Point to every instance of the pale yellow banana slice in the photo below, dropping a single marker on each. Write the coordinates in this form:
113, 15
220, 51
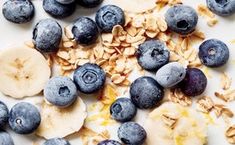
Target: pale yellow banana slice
172, 124
61, 122
23, 72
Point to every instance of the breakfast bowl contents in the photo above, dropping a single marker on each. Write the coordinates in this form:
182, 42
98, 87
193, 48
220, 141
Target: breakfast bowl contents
18, 12
85, 31
4, 114
24, 118
47, 35
5, 138
58, 9
25, 70
117, 72
108, 16
173, 124
181, 19
56, 141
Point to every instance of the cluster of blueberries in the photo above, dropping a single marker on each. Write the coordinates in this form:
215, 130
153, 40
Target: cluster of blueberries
153, 55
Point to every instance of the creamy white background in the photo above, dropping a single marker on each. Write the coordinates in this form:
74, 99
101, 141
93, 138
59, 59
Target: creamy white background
13, 35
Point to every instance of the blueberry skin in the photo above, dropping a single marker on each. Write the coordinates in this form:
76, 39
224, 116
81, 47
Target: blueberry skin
89, 78
65, 1
5, 138
60, 91
47, 35
56, 141
89, 3
146, 93
123, 110
24, 118
58, 10
109, 142
181, 19
170, 74
85, 31
213, 53
18, 11
4, 114
131, 133
194, 83
108, 16
152, 55
221, 7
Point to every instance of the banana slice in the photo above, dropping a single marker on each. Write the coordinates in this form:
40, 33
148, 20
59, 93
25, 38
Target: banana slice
23, 72
172, 124
61, 122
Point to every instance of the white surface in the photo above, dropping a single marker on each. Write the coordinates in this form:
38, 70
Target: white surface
13, 34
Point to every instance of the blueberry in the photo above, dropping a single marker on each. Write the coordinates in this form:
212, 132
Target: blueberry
108, 16
170, 74
181, 19
131, 133
5, 138
58, 10
146, 93
65, 1
24, 118
109, 142
56, 141
89, 78
18, 11
60, 91
194, 83
213, 53
4, 113
152, 55
89, 3
85, 30
221, 7
47, 35
123, 110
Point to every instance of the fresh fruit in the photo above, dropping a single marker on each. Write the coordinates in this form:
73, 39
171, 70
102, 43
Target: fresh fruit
89, 78
5, 138
65, 121
24, 118
170, 74
173, 124
152, 55
18, 11
4, 114
56, 141
146, 93
47, 35
109, 142
60, 91
213, 53
181, 19
108, 16
194, 83
65, 1
221, 7
85, 30
25, 70
89, 3
131, 133
123, 110
58, 10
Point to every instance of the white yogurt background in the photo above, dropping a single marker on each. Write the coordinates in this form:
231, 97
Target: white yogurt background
12, 35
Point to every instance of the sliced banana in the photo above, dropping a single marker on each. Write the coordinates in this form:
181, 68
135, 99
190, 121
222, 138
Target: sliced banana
61, 122
23, 72
183, 127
